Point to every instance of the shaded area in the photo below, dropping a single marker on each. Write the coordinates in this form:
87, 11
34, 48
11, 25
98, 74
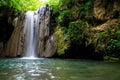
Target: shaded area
5, 27
81, 52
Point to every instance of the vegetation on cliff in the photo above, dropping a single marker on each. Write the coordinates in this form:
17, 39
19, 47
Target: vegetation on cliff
92, 28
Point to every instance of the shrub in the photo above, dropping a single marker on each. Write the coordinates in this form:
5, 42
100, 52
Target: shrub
76, 31
84, 9
113, 48
62, 42
64, 18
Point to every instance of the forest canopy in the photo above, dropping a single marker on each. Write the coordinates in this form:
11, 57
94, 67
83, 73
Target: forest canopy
22, 5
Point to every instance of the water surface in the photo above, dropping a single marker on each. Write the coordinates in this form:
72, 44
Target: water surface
57, 69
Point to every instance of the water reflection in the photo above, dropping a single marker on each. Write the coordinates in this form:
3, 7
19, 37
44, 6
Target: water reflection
55, 69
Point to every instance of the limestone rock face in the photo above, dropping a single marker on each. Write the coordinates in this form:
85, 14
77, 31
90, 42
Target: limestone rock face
106, 9
15, 44
46, 41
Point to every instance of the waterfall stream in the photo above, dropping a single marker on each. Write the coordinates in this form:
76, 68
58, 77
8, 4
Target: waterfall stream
29, 35
32, 36
37, 32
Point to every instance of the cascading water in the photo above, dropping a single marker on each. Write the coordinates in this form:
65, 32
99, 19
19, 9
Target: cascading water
36, 31
29, 35
32, 36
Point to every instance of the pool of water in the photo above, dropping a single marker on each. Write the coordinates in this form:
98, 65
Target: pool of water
58, 69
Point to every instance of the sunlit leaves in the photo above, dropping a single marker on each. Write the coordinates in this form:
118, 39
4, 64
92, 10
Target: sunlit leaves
62, 42
53, 2
23, 5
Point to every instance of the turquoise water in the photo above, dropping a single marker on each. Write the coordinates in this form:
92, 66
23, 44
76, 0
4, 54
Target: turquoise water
58, 69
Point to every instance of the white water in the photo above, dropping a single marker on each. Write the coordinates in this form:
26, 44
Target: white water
37, 41
29, 35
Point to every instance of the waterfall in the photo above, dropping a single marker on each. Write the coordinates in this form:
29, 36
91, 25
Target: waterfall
36, 25
32, 36
29, 34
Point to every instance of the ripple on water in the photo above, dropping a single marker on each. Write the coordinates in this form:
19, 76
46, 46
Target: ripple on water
52, 69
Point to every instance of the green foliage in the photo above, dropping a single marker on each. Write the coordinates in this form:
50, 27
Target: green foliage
64, 17
113, 45
76, 31
3, 2
102, 37
100, 40
23, 5
53, 2
113, 48
84, 9
117, 34
62, 42
67, 3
